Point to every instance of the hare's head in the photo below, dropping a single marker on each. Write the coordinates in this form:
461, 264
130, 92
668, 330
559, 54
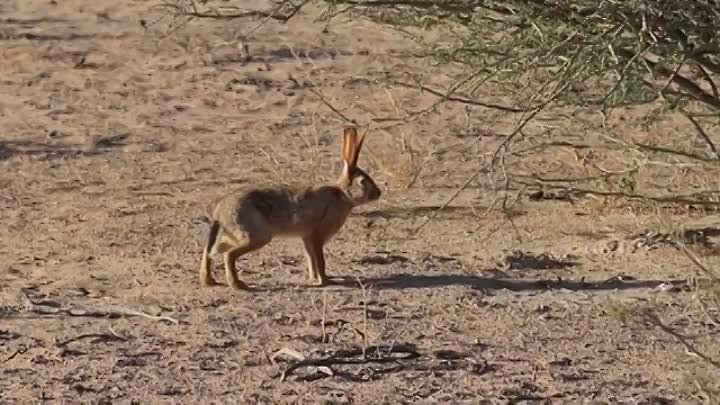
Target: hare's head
357, 184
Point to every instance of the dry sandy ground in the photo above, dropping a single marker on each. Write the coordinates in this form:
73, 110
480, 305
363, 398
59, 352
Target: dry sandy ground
115, 140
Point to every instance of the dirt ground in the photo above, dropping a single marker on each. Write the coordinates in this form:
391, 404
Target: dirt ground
116, 139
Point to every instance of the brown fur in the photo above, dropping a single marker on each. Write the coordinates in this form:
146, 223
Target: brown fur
246, 221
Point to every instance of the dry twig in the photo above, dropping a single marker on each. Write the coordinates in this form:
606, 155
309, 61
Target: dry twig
16, 353
98, 337
332, 107
232, 13
363, 355
654, 320
116, 312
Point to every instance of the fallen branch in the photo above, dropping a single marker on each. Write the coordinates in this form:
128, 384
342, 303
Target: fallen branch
693, 199
117, 312
362, 355
99, 337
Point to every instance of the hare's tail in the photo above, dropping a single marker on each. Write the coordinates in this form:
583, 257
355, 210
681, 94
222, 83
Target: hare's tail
212, 237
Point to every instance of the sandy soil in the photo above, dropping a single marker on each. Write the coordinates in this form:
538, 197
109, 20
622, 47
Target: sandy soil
116, 139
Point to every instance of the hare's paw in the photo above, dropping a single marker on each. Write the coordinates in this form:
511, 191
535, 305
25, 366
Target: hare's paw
324, 281
206, 279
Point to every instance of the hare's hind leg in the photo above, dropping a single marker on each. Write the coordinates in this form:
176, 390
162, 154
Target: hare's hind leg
231, 257
205, 264
242, 235
230, 272
205, 277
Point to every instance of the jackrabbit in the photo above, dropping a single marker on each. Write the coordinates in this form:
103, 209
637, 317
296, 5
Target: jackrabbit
246, 221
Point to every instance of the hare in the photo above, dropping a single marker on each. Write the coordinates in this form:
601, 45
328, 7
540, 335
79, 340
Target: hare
246, 221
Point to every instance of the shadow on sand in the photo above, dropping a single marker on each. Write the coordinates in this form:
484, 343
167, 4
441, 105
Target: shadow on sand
406, 281
409, 281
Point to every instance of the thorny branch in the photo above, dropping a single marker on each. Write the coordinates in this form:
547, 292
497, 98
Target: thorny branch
703, 133
332, 107
463, 100
495, 156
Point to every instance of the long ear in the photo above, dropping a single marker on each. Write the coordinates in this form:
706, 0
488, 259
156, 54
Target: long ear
351, 146
358, 145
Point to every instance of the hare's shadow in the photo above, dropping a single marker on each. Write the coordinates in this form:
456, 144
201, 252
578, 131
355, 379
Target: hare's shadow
405, 281
516, 261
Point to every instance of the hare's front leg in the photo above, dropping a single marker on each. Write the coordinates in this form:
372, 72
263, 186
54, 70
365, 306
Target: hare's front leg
315, 259
232, 253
